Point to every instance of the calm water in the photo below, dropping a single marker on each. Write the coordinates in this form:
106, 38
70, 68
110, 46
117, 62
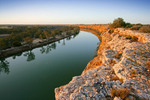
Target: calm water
33, 75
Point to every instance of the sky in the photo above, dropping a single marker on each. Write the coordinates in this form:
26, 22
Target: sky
73, 11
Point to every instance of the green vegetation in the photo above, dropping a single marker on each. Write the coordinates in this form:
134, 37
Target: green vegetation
128, 37
136, 27
118, 23
145, 29
16, 44
27, 33
141, 28
132, 38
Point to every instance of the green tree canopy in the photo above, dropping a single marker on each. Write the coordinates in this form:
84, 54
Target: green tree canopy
119, 22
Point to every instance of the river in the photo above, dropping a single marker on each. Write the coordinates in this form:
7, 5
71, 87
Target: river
34, 74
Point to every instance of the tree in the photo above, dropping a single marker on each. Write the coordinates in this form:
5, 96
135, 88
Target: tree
119, 22
28, 40
4, 43
16, 43
128, 25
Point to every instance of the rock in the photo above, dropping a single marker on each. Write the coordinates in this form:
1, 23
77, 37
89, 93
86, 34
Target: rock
119, 64
117, 98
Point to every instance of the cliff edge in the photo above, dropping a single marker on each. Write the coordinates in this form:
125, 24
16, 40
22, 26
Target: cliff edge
120, 71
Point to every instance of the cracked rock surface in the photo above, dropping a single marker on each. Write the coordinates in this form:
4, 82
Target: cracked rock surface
120, 65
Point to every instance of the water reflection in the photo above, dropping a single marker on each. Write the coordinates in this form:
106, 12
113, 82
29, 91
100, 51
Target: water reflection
14, 56
75, 35
58, 41
4, 66
63, 42
53, 45
48, 48
30, 55
69, 38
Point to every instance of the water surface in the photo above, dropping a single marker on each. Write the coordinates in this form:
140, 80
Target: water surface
33, 75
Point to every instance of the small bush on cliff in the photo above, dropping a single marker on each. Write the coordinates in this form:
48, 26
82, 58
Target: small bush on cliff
119, 22
122, 93
145, 29
148, 64
136, 27
128, 25
128, 37
133, 39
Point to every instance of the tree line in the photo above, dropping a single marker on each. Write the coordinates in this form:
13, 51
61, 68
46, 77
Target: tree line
26, 33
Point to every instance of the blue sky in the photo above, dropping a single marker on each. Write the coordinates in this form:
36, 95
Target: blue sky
73, 11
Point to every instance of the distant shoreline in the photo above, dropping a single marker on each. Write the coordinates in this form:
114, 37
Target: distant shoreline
11, 51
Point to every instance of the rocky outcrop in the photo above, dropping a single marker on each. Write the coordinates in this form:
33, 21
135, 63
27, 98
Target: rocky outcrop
121, 70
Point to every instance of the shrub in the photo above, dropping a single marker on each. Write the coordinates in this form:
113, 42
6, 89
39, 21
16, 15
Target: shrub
133, 73
128, 25
119, 22
136, 27
128, 37
145, 29
28, 40
111, 31
122, 93
148, 64
16, 43
134, 39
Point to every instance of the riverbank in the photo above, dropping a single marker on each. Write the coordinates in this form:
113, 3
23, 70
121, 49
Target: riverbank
15, 50
119, 71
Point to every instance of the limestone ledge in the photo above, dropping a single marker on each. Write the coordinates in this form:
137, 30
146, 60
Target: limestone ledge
119, 64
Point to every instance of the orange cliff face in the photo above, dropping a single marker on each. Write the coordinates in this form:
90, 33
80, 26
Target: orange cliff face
95, 29
121, 66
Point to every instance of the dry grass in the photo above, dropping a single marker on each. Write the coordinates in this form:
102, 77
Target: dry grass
148, 64
97, 63
132, 38
118, 55
122, 93
133, 73
148, 69
145, 29
117, 78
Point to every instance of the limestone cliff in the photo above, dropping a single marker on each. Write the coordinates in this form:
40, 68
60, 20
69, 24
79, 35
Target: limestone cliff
119, 71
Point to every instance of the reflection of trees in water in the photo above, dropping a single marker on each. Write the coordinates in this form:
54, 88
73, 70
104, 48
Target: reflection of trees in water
75, 35
48, 48
42, 50
68, 38
30, 55
58, 41
63, 42
4, 66
14, 56
53, 45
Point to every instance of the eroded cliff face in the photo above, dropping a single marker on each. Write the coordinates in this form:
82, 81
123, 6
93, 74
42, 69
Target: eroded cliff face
121, 70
